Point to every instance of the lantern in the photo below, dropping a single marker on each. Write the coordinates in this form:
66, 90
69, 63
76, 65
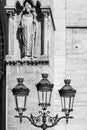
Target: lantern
67, 94
20, 92
44, 90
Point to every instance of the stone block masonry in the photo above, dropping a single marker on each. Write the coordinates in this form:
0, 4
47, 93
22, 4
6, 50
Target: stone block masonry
31, 75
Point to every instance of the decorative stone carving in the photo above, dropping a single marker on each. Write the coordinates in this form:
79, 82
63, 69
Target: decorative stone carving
27, 62
26, 32
29, 34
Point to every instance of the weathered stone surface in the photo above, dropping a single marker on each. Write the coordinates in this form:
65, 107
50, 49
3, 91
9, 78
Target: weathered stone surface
76, 13
69, 61
76, 60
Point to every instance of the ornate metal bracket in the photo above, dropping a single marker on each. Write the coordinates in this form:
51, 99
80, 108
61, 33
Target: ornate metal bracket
44, 121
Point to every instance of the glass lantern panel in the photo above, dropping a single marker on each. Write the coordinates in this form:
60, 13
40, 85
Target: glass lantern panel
49, 97
39, 97
21, 101
16, 101
25, 101
71, 103
44, 97
62, 102
66, 103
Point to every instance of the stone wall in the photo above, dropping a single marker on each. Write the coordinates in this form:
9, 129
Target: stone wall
76, 59
76, 70
69, 61
59, 58
76, 13
28, 68
71, 57
31, 75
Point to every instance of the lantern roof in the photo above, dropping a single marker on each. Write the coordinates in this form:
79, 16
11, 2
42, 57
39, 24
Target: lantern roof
67, 90
44, 84
20, 89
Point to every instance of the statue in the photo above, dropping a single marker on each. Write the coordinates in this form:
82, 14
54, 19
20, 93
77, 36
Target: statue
26, 33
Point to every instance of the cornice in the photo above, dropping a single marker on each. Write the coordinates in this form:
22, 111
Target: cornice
27, 62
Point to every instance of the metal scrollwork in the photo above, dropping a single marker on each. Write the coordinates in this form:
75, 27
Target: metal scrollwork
35, 119
44, 121
52, 120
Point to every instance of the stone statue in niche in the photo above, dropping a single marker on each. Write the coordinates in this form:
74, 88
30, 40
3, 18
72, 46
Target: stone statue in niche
26, 32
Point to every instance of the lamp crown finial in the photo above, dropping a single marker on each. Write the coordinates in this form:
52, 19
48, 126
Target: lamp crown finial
44, 75
20, 80
67, 81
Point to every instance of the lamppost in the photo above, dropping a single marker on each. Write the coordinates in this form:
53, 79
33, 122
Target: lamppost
44, 90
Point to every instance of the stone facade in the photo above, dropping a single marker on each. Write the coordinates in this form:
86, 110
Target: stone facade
28, 68
76, 59
67, 59
72, 16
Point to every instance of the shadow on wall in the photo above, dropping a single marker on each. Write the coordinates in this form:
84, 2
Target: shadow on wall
3, 52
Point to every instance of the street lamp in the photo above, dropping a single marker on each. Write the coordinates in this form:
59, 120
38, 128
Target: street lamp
44, 90
20, 92
67, 94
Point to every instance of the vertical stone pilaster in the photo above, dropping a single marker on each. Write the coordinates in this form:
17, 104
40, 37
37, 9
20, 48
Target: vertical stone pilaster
48, 34
45, 33
10, 11
10, 29
47, 22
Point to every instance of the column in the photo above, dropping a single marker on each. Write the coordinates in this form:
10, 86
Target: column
10, 12
10, 32
45, 32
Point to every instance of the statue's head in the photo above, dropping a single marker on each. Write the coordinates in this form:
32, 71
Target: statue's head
28, 5
30, 2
